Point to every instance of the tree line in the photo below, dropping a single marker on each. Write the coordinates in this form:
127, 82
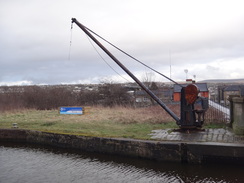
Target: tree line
51, 97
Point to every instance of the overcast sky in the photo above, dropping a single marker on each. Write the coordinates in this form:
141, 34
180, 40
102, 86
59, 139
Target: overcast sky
206, 37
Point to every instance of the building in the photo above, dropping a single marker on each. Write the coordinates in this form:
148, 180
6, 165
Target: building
143, 99
202, 87
232, 90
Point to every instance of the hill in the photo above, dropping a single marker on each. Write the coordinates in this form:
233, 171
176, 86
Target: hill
222, 81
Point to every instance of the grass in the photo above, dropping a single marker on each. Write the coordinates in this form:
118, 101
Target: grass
97, 121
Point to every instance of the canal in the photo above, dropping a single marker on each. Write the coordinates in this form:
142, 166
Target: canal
37, 164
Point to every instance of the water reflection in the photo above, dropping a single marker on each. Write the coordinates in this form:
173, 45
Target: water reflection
34, 164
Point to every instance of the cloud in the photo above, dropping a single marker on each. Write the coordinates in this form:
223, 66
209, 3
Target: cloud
212, 68
205, 37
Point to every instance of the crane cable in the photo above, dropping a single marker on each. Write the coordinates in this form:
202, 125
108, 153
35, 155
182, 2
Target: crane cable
128, 56
106, 61
132, 57
70, 42
96, 51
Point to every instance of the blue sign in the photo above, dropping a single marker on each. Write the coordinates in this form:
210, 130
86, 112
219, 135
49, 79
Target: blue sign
71, 110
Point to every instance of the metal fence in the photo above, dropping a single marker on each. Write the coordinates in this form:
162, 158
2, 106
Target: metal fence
217, 113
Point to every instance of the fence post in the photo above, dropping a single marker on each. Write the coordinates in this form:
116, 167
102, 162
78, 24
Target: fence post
238, 115
231, 109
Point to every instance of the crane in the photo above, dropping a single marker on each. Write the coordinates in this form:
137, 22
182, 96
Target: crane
189, 94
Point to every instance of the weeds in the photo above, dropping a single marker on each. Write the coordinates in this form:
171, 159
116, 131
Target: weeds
126, 122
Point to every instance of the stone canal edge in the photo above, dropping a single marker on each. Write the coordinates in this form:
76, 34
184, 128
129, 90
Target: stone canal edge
186, 152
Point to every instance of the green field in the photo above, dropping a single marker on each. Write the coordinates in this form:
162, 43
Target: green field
97, 121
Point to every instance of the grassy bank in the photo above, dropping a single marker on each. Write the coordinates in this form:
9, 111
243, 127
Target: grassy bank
98, 121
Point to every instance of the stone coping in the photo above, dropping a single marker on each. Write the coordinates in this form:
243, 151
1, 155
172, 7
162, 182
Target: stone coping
172, 151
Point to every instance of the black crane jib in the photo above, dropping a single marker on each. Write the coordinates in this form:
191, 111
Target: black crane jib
149, 92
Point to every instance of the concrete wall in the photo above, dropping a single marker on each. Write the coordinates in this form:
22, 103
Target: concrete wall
237, 115
155, 150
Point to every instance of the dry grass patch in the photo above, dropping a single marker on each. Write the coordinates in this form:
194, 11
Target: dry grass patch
127, 115
98, 121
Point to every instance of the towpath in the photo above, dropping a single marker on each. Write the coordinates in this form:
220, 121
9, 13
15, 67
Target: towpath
207, 135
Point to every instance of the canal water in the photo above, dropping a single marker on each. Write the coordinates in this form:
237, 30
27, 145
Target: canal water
37, 164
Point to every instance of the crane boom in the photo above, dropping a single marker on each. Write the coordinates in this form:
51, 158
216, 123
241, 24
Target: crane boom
149, 92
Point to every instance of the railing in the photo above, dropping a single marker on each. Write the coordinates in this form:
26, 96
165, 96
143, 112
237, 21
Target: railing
217, 113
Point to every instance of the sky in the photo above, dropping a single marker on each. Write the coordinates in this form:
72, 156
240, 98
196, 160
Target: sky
201, 39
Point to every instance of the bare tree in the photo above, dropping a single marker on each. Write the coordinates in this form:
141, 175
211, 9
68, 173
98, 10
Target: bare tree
148, 78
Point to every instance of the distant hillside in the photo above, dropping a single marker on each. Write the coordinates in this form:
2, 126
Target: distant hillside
222, 81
